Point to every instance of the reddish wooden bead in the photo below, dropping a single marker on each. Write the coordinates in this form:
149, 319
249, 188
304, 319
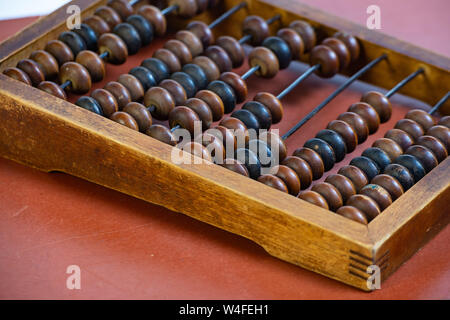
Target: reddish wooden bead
47, 62
272, 103
330, 193
60, 51
390, 184
238, 128
275, 143
97, 24
445, 121
176, 90
208, 66
380, 103
203, 111
302, 168
289, 177
110, 16
161, 100
365, 204
410, 127
441, 133
202, 31
340, 49
326, 58
233, 48
122, 7
17, 74
306, 32
184, 117
403, 139
343, 184
237, 83
358, 124
133, 85
351, 43
92, 62
346, 132
274, 182
32, 69
214, 102
313, 198
140, 114
422, 117
191, 41
392, 148
368, 113
214, 146
293, 40
356, 175
196, 149
235, 166
169, 58
186, 8
124, 119
119, 92
313, 159
115, 47
380, 195
161, 133
227, 137
220, 58
352, 213
80, 80
257, 27
180, 50
106, 100
266, 60
153, 15
53, 89
435, 145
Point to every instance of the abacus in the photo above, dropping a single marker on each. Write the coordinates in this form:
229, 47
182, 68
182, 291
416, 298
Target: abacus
61, 111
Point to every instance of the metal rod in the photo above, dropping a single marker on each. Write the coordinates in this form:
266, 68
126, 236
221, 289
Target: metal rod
248, 37
297, 81
168, 10
341, 88
440, 103
175, 128
250, 72
65, 84
227, 14
403, 83
273, 19
104, 54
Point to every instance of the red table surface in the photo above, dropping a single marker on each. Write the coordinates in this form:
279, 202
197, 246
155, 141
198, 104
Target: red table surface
129, 249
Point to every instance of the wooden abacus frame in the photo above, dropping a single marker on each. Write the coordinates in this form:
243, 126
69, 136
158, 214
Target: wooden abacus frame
50, 134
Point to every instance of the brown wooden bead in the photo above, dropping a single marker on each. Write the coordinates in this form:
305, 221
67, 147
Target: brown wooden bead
227, 137
180, 50
257, 27
313, 159
119, 92
368, 113
434, 145
235, 166
202, 5
53, 89
380, 195
390, 184
441, 133
97, 24
351, 43
275, 143
422, 117
343, 184
214, 102
302, 168
196, 149
272, 103
191, 41
169, 58
208, 66
202, 31
115, 47
358, 124
161, 100
60, 51
203, 111
340, 49
289, 177
346, 132
140, 114
161, 133
125, 119
214, 146
220, 58
233, 48
293, 40
237, 83
186, 8
80, 80
133, 85
106, 100
47, 62
330, 193
184, 117
392, 148
32, 69
380, 103
306, 32
176, 90
110, 16
314, 198
274, 182
365, 204
17, 74
238, 127
356, 176
326, 58
445, 121
122, 7
266, 60
153, 15
410, 127
403, 139
352, 213
425, 157
92, 62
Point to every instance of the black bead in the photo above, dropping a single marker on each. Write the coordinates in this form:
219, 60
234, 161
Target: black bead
324, 150
250, 160
225, 92
143, 27
88, 35
281, 50
413, 165
196, 73
400, 173
90, 104
262, 151
248, 118
367, 165
378, 156
186, 82
159, 69
74, 41
261, 112
335, 141
145, 77
129, 35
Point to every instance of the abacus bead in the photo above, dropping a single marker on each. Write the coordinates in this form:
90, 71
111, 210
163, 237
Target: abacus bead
343, 184
77, 75
202, 5
202, 31
433, 144
90, 104
235, 166
129, 35
124, 119
352, 213
306, 32
226, 94
445, 121
389, 146
301, 168
378, 194
281, 50
161, 133
158, 68
220, 58
237, 83
410, 127
110, 16
115, 47
403, 139
17, 74
390, 184
274, 182
197, 74
214, 145
133, 85
228, 139
53, 89
176, 91
170, 59
97, 24
145, 77
293, 40
346, 132
401, 174
380, 103
191, 41
367, 165
356, 176
340, 49
60, 51
47, 62
119, 92
289, 177
324, 150
249, 159
73, 41
180, 50
88, 35
233, 48
351, 43
313, 198
365, 204
162, 100
32, 69
262, 150
214, 102
313, 159
197, 150
275, 143
93, 63
422, 117
413, 165
238, 127
143, 27
335, 141
257, 27
186, 82
208, 66
122, 7
203, 111
140, 114
186, 8
326, 58
378, 156
330, 193
441, 133
106, 100
266, 60
357, 123
248, 118
368, 113
425, 157
272, 103
153, 15
184, 117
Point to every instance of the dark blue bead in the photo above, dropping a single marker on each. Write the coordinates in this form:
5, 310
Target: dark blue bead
196, 73
281, 50
90, 104
145, 77
186, 82
129, 35
261, 113
159, 69
250, 160
413, 165
262, 151
378, 156
367, 165
73, 41
88, 35
335, 141
400, 173
143, 27
324, 150
248, 118
225, 92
